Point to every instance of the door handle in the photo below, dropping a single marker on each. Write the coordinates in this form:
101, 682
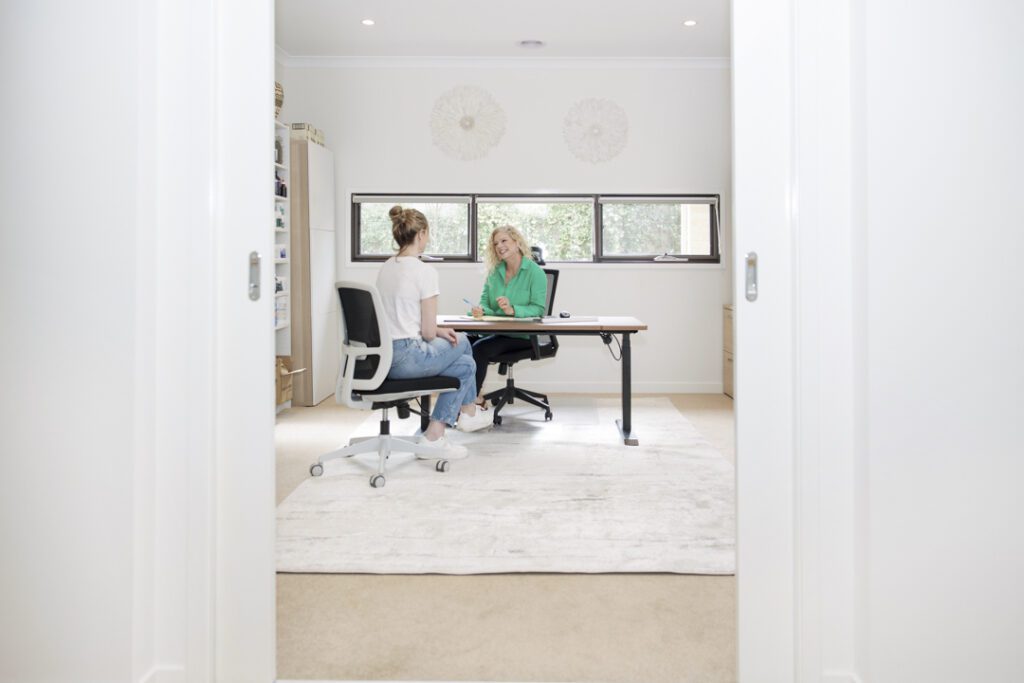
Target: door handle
254, 275
751, 288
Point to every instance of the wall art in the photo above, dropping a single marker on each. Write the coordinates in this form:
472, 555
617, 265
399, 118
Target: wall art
467, 122
595, 130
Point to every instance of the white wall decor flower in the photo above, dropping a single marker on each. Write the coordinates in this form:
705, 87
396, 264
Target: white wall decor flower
595, 130
467, 122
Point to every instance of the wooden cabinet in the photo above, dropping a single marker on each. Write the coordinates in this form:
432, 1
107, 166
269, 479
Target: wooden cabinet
727, 345
314, 305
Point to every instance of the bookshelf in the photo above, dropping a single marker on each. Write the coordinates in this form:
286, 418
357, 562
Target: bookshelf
282, 246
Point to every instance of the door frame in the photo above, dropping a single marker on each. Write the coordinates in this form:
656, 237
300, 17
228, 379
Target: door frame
793, 86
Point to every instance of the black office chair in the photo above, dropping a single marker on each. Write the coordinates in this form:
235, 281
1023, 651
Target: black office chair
542, 346
363, 384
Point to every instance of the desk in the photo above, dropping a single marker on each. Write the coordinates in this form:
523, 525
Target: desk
602, 326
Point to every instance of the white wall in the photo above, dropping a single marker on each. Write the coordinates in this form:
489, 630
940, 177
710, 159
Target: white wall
375, 116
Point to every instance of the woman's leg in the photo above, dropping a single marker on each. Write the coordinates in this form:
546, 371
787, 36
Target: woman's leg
488, 348
462, 367
419, 358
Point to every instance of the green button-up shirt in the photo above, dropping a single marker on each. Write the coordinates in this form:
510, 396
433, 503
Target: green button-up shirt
527, 291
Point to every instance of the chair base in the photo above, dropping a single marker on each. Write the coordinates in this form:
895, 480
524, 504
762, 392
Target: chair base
499, 398
383, 444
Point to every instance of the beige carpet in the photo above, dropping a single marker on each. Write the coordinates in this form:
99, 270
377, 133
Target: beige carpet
516, 627
535, 496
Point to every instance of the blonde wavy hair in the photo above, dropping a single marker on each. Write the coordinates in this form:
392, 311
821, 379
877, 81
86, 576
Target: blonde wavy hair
491, 258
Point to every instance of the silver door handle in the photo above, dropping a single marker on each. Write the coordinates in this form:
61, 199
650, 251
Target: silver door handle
751, 288
254, 275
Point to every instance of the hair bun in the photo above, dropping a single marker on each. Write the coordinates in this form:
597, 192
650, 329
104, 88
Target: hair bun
395, 212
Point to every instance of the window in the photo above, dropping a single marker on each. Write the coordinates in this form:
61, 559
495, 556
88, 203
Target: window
664, 228
562, 227
568, 228
447, 215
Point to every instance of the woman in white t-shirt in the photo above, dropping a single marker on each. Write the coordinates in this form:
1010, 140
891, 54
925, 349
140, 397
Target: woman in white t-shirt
408, 290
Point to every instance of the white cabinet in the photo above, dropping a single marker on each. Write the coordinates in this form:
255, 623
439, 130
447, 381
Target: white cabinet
314, 307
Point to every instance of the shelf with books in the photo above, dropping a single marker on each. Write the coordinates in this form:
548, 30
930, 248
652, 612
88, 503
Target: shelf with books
282, 244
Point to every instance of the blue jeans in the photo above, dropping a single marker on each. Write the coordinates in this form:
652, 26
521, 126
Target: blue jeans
414, 358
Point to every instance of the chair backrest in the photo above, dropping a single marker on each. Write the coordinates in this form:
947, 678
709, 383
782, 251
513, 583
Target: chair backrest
552, 276
365, 342
548, 340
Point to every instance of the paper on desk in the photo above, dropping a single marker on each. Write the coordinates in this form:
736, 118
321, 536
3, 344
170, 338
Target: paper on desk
491, 319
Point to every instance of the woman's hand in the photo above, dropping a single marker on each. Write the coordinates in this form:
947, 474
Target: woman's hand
449, 334
477, 312
506, 306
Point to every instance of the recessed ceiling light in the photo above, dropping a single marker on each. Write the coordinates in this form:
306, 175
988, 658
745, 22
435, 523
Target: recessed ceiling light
531, 43
368, 22
690, 22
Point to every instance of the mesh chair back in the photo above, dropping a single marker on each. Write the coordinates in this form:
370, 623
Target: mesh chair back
361, 327
552, 276
547, 339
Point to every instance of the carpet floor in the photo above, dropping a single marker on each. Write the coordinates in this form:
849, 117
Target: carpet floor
499, 627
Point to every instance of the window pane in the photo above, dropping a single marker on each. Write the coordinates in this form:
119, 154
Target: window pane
563, 230
449, 226
637, 229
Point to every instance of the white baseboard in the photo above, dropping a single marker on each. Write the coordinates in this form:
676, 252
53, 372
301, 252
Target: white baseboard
610, 387
164, 674
840, 677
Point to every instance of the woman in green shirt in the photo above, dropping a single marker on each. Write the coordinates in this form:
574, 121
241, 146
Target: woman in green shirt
516, 287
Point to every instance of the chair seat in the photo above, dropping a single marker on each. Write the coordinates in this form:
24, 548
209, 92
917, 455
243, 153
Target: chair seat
546, 351
423, 384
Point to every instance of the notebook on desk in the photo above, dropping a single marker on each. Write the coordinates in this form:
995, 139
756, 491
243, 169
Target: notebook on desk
571, 319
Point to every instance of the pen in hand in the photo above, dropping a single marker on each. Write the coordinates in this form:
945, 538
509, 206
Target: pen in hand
471, 306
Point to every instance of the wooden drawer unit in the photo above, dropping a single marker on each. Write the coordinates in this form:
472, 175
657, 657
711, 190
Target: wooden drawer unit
727, 350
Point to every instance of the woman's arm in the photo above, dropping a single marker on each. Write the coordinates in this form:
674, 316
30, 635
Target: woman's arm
486, 300
428, 318
428, 323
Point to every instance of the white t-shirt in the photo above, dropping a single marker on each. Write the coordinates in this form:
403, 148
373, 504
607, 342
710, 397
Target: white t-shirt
403, 282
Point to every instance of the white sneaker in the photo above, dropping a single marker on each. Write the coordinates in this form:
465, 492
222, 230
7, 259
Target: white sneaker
471, 423
446, 450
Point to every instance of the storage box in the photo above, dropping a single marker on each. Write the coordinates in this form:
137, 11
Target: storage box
307, 131
283, 375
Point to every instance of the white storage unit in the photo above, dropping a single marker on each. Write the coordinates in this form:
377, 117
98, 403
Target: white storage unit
314, 329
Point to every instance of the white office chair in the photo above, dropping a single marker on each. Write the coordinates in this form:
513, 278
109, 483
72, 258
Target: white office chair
363, 384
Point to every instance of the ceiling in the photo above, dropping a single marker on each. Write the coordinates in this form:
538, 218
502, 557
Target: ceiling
493, 28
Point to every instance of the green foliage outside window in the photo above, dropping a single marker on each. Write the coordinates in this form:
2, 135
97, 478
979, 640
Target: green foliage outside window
634, 229
563, 230
563, 227
449, 224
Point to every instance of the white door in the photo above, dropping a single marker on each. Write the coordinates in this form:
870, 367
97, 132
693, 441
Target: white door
764, 192
244, 343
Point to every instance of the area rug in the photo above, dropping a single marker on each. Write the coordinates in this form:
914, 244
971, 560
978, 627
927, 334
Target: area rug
534, 496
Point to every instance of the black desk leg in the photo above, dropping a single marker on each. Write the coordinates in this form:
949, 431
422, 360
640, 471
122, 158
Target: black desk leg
626, 423
425, 409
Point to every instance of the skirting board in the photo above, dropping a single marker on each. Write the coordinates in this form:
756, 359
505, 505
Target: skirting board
164, 674
610, 387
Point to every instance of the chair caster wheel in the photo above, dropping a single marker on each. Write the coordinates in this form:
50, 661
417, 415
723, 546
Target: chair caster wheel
441, 466
377, 481
547, 416
497, 420
316, 470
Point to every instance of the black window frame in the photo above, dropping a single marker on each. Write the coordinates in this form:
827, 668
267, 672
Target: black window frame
472, 254
714, 201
